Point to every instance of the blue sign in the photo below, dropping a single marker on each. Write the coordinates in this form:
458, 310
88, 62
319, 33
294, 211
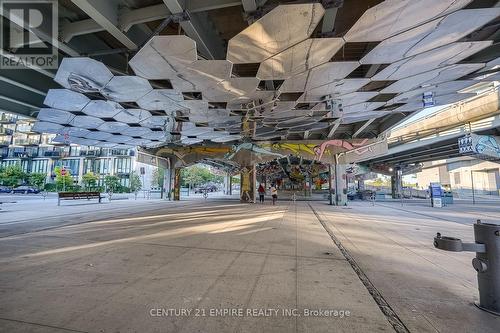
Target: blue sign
428, 99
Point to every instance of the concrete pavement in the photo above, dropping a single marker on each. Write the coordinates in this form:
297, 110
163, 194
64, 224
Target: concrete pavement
219, 266
430, 290
128, 274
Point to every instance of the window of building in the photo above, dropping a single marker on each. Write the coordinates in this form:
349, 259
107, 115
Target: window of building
74, 151
73, 165
122, 165
40, 166
456, 176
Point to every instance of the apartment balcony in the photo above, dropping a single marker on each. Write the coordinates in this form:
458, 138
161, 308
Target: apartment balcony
6, 131
34, 142
90, 153
23, 154
55, 154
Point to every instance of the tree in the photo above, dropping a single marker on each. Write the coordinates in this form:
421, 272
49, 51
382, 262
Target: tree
89, 180
135, 183
37, 179
158, 177
197, 175
112, 184
63, 181
12, 175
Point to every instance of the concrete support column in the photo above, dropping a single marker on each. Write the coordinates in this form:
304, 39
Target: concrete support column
227, 184
247, 184
340, 184
81, 161
177, 184
361, 183
397, 183
331, 182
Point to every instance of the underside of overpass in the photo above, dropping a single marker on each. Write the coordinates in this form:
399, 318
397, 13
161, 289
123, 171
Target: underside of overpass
290, 96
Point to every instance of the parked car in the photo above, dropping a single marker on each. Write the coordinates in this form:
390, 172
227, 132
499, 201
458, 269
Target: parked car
211, 188
25, 189
201, 189
5, 189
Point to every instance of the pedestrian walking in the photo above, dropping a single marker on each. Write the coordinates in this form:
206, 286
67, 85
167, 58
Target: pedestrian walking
274, 194
262, 193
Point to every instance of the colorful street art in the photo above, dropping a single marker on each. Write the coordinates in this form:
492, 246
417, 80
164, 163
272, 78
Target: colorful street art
321, 151
255, 148
247, 184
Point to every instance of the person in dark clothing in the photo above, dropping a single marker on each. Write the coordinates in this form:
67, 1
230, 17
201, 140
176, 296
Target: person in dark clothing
262, 192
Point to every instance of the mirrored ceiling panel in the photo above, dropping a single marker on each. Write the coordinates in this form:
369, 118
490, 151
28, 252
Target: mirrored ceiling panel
212, 135
126, 88
333, 89
231, 89
87, 122
435, 76
363, 116
65, 99
138, 142
46, 127
299, 58
83, 74
362, 107
55, 116
190, 141
102, 109
168, 100
440, 89
157, 135
438, 100
437, 58
163, 56
75, 131
132, 116
77, 140
431, 35
136, 131
281, 28
116, 138
312, 127
202, 74
279, 78
492, 65
226, 122
158, 122
355, 97
105, 144
319, 76
98, 135
395, 16
227, 138
113, 127
298, 121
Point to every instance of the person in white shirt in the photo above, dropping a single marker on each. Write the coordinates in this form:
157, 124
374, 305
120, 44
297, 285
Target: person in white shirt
274, 193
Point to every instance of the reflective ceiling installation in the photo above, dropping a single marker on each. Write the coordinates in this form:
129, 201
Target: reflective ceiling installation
280, 78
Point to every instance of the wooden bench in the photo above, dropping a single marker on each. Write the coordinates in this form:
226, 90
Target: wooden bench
78, 196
